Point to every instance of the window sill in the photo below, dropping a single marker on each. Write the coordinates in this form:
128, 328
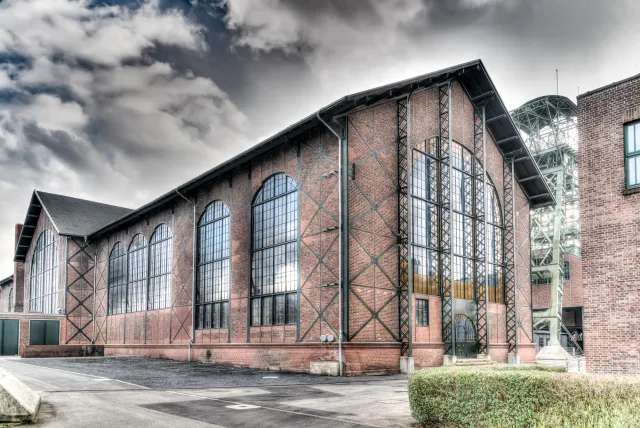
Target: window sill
631, 191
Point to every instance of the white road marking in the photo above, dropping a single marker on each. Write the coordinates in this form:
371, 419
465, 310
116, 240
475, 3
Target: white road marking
242, 407
273, 408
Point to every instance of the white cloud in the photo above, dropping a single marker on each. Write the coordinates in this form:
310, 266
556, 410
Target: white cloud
90, 113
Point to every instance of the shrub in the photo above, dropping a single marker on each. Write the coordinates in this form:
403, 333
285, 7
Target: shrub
522, 397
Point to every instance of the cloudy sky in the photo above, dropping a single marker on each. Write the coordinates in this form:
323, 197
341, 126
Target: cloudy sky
120, 101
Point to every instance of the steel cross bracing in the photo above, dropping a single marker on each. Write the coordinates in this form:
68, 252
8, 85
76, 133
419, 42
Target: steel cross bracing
549, 128
403, 228
445, 216
480, 228
510, 286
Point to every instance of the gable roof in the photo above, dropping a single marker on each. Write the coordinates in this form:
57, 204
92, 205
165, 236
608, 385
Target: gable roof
70, 217
7, 281
475, 81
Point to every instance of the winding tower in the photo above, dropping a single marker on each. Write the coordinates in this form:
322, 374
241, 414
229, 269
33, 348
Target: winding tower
548, 126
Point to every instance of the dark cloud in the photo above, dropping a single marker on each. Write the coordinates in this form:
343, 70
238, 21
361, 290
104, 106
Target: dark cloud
179, 85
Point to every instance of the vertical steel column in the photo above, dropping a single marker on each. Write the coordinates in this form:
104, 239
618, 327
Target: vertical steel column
404, 273
480, 186
445, 217
510, 253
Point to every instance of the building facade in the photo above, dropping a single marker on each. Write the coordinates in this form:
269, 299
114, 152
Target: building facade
609, 200
393, 223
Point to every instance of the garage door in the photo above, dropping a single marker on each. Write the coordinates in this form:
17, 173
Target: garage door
8, 337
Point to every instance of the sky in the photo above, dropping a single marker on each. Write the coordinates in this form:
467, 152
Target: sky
121, 101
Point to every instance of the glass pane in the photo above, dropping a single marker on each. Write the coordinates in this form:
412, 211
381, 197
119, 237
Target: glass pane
631, 146
631, 171
292, 308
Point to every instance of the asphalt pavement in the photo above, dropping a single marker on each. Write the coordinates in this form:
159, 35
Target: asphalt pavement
144, 392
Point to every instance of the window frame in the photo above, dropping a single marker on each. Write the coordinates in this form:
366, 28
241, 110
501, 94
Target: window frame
162, 243
566, 271
422, 321
39, 259
221, 306
123, 259
141, 306
260, 200
630, 155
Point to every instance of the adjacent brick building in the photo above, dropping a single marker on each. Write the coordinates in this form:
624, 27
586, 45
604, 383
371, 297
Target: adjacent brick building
264, 260
609, 206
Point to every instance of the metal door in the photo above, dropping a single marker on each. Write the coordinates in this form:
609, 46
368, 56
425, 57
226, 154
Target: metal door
9, 337
466, 346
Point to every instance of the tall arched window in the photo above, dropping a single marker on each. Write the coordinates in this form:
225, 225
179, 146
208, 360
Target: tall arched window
43, 282
160, 260
494, 250
212, 292
424, 199
274, 265
117, 282
137, 274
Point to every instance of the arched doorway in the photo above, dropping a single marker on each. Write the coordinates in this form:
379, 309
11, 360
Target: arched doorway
466, 346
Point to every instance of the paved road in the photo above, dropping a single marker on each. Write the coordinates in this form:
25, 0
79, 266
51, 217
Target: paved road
141, 392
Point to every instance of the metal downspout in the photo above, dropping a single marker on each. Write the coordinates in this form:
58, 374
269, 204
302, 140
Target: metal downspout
193, 277
339, 240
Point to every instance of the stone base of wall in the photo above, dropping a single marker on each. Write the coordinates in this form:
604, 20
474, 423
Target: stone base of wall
41, 351
500, 352
359, 358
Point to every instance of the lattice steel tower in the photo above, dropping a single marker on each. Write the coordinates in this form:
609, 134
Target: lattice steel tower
548, 127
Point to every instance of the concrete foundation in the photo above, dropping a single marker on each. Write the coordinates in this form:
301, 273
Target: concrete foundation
449, 360
554, 355
513, 359
406, 365
326, 368
18, 403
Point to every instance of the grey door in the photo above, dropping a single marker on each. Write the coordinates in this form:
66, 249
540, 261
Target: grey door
9, 337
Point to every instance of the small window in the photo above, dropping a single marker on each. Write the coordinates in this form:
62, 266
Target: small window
632, 154
567, 270
422, 312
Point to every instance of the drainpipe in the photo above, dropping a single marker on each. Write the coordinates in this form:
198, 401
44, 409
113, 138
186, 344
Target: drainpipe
193, 277
340, 238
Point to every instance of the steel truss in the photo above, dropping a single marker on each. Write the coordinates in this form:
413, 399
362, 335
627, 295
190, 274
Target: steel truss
510, 286
404, 168
479, 189
445, 216
549, 125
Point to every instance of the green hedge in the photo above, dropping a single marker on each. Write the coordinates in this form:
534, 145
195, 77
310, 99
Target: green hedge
522, 397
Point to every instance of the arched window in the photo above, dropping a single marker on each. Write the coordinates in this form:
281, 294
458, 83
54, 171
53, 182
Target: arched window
137, 274
117, 282
212, 291
274, 264
494, 250
424, 200
10, 299
43, 283
160, 261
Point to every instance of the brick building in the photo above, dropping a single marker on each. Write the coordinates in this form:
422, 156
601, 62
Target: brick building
366, 232
6, 294
608, 121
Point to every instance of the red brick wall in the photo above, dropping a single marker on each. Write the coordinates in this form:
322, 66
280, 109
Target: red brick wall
610, 231
25, 318
373, 226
